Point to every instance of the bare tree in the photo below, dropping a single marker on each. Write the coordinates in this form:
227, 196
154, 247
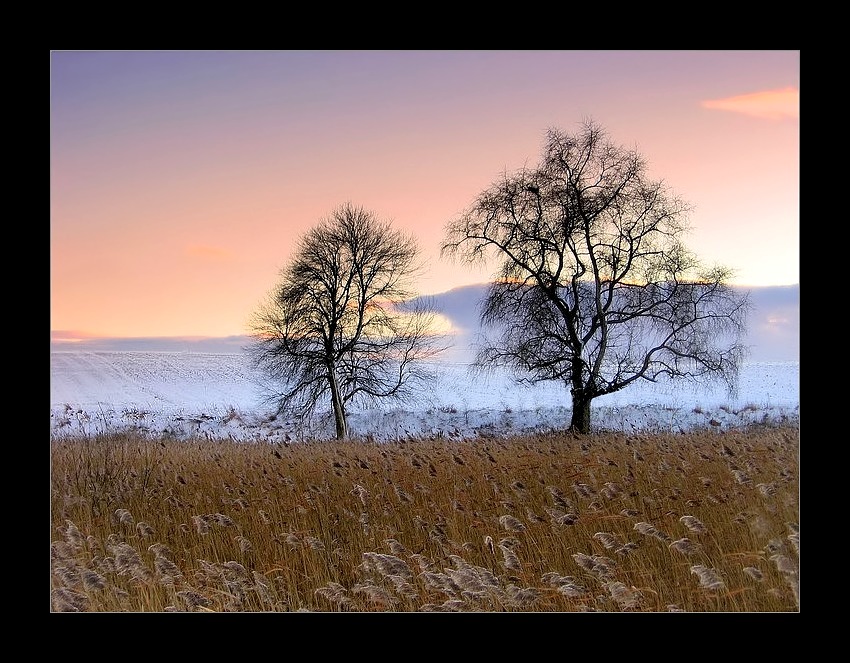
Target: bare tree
342, 323
595, 287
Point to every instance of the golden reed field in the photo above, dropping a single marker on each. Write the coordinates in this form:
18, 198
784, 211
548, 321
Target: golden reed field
705, 521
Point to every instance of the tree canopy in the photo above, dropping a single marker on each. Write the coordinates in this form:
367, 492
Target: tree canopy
340, 325
594, 285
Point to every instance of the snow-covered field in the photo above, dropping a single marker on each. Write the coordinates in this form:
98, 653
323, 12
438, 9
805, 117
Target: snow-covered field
218, 396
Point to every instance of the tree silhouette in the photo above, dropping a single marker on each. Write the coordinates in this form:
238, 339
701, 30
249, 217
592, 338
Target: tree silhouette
341, 323
595, 287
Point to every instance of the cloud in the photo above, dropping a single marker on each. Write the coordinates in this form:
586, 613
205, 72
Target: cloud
60, 340
211, 253
773, 330
69, 336
767, 104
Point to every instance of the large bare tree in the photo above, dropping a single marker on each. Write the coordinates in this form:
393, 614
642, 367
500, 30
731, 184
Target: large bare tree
595, 287
341, 323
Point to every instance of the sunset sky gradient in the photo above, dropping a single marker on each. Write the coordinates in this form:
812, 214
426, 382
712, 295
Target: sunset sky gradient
181, 180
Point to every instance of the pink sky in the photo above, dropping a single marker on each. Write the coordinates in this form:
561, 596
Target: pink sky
181, 180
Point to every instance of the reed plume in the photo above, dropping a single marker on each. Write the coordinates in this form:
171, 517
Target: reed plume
708, 578
693, 524
194, 600
509, 559
606, 539
387, 564
378, 596
144, 529
201, 524
686, 546
73, 535
626, 598
335, 593
511, 524
123, 516
65, 600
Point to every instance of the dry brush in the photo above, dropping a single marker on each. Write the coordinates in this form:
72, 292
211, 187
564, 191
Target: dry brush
704, 521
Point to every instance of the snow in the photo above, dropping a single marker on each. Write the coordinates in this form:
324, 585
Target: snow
220, 396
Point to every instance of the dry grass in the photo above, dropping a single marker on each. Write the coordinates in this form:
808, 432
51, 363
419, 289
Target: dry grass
698, 522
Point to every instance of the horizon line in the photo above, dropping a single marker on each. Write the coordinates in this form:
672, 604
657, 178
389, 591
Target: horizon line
77, 336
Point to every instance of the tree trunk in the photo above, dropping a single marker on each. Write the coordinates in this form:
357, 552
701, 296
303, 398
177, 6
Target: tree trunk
580, 422
338, 406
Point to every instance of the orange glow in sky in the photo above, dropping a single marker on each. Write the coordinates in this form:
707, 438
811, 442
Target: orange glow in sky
182, 180
770, 104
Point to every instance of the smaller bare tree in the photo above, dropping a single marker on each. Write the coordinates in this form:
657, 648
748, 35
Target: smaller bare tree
342, 324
